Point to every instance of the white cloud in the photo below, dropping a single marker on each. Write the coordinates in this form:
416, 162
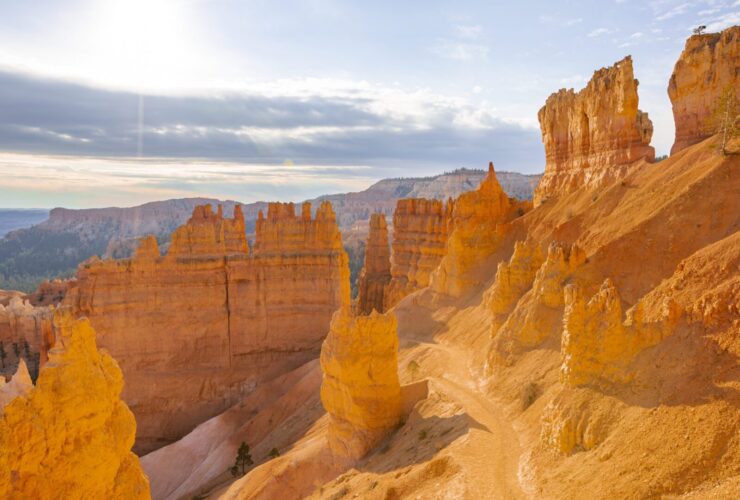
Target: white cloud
460, 51
673, 12
636, 35
477, 89
469, 31
573, 80
722, 22
599, 32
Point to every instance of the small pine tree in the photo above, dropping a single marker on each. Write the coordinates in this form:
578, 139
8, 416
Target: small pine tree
243, 460
724, 117
274, 453
3, 354
16, 350
27, 350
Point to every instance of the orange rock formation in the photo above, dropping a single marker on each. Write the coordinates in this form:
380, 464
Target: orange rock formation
360, 391
420, 231
70, 436
480, 222
707, 67
593, 136
208, 321
376, 274
21, 324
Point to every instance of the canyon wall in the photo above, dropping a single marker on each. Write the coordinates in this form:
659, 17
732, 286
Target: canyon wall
25, 333
360, 390
196, 329
376, 274
591, 137
707, 67
70, 436
480, 221
420, 231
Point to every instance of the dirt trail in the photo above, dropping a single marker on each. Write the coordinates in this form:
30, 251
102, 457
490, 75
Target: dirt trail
491, 458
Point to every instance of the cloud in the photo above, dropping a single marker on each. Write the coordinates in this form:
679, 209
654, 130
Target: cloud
724, 21
317, 122
559, 21
469, 31
461, 51
636, 35
573, 80
599, 32
673, 12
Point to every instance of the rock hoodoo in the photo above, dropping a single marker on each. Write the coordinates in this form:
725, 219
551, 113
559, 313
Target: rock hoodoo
591, 137
480, 221
208, 320
707, 67
376, 274
70, 436
360, 391
420, 230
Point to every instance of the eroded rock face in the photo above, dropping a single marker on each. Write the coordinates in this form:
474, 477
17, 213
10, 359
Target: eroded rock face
420, 231
376, 274
591, 137
706, 68
480, 221
208, 321
25, 332
538, 314
360, 391
598, 345
70, 436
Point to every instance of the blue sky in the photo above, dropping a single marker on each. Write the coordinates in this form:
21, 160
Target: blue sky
113, 102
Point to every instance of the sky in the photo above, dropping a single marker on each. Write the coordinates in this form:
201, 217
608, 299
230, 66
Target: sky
120, 102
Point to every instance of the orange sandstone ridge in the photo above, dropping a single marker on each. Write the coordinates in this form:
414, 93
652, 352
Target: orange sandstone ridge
480, 223
707, 68
592, 137
70, 436
420, 230
376, 274
196, 329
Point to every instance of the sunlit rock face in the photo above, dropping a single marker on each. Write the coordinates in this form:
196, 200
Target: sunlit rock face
598, 343
479, 223
420, 231
196, 329
706, 68
360, 391
536, 306
592, 136
70, 436
376, 274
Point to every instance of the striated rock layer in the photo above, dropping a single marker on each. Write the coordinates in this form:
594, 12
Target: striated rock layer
70, 436
591, 137
360, 391
420, 231
376, 274
708, 66
195, 330
480, 222
25, 332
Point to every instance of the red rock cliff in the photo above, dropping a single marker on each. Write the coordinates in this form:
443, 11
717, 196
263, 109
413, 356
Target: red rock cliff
420, 230
708, 66
196, 329
592, 136
376, 274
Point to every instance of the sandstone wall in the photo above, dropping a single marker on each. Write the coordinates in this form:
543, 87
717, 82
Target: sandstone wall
420, 231
21, 324
376, 273
591, 137
707, 67
195, 330
360, 391
479, 223
70, 436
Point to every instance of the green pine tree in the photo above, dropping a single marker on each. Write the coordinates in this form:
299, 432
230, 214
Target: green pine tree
243, 460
